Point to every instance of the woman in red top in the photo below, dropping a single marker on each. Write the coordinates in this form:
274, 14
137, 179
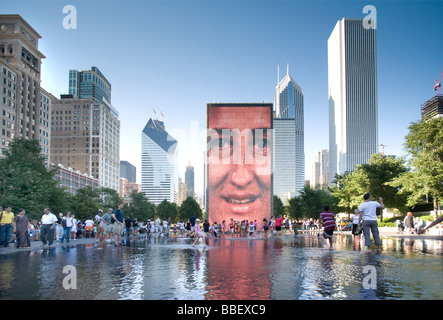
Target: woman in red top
231, 226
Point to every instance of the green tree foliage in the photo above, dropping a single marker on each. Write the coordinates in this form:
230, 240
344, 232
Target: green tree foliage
109, 198
348, 190
425, 148
279, 208
379, 172
85, 203
294, 208
309, 203
26, 182
140, 207
189, 208
374, 177
167, 210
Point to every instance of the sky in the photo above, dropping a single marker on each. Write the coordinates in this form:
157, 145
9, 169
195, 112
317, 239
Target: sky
174, 57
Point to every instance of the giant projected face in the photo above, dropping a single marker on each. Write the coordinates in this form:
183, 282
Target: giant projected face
239, 162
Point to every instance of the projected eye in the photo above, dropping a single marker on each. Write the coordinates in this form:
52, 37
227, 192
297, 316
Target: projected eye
224, 142
261, 143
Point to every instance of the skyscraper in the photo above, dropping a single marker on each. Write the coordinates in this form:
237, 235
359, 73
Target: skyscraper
86, 137
320, 169
128, 171
89, 84
189, 181
352, 77
159, 172
288, 123
20, 64
432, 108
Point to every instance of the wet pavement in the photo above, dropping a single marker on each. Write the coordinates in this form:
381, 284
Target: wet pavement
279, 268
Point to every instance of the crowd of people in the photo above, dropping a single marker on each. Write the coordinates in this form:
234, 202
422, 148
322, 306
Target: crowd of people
108, 227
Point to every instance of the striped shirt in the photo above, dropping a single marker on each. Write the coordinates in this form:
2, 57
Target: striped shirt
328, 219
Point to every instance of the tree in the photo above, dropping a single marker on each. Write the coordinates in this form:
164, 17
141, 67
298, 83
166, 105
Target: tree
109, 198
26, 182
381, 170
348, 190
279, 208
189, 208
140, 207
313, 200
424, 146
294, 208
167, 210
374, 177
85, 203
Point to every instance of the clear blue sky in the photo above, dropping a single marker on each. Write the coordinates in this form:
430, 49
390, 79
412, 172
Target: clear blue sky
176, 56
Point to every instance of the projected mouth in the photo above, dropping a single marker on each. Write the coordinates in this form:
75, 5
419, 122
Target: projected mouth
240, 200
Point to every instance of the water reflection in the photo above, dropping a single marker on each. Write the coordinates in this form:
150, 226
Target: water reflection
282, 268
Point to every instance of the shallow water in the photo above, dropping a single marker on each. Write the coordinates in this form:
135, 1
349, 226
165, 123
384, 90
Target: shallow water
288, 267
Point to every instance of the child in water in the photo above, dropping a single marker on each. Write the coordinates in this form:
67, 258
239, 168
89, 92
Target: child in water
198, 232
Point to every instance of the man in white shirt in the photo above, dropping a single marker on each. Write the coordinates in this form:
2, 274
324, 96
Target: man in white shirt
368, 213
47, 230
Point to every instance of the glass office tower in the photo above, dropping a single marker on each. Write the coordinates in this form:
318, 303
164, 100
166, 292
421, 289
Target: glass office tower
289, 154
89, 84
352, 77
159, 163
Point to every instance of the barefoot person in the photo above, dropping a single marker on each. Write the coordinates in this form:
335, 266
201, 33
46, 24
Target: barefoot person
198, 232
368, 213
327, 218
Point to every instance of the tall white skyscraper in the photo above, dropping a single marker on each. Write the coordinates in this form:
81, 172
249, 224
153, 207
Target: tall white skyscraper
159, 163
320, 169
352, 77
288, 124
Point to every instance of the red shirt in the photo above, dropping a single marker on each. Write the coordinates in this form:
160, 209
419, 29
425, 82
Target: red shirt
278, 222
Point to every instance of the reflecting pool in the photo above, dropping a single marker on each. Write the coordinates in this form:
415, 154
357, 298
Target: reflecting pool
287, 267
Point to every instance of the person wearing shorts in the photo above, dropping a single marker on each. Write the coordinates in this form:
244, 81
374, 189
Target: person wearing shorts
119, 225
328, 220
232, 226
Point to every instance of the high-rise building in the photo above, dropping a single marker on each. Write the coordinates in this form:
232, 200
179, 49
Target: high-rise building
8, 103
159, 163
352, 77
20, 63
320, 169
44, 131
89, 84
288, 123
86, 137
181, 192
189, 181
128, 171
127, 188
432, 108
